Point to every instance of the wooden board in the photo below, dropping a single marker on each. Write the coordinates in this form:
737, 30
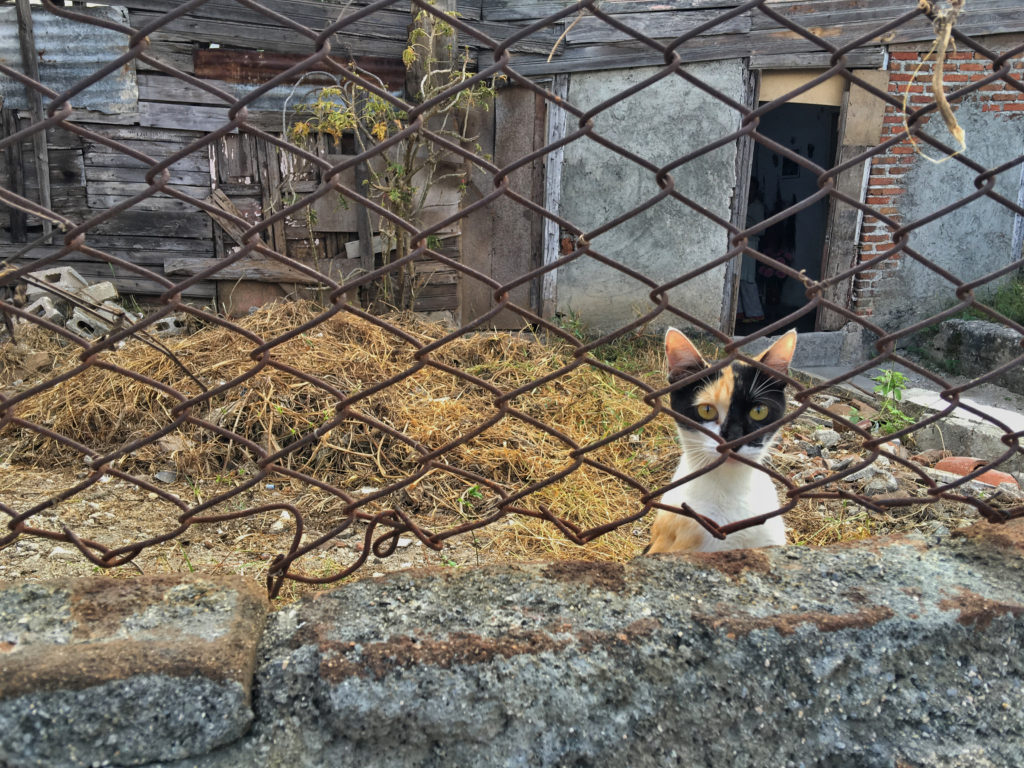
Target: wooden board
150, 255
156, 224
380, 34
664, 25
126, 282
515, 243
862, 58
105, 157
531, 10
127, 176
251, 268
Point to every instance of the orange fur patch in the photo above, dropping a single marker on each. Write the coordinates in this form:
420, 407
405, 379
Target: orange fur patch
718, 392
674, 533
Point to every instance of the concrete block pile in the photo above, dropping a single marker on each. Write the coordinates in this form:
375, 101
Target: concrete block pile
61, 296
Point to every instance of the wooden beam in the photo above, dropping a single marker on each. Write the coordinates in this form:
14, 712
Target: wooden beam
270, 181
860, 129
740, 200
255, 269
17, 172
222, 201
557, 128
654, 24
364, 227
30, 60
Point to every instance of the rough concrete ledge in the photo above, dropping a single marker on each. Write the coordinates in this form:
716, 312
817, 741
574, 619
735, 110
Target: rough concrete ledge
106, 671
901, 651
979, 346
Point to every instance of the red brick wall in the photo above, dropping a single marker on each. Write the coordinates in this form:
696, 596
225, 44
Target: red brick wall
886, 181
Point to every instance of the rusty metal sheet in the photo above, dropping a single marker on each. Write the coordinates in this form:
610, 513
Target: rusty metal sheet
254, 67
69, 52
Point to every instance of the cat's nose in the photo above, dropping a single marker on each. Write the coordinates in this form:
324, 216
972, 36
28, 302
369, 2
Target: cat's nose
732, 430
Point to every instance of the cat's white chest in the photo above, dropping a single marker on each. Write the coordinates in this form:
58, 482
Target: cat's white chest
728, 494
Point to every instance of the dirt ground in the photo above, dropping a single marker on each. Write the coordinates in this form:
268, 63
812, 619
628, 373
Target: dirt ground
116, 512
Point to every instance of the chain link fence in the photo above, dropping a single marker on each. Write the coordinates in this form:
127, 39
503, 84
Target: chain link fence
405, 151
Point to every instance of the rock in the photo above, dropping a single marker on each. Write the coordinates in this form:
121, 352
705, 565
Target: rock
62, 553
980, 346
895, 447
838, 465
36, 361
282, 522
882, 482
880, 464
1010, 491
166, 476
827, 438
809, 448
854, 412
173, 443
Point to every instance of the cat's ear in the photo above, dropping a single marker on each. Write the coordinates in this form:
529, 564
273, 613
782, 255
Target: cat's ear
682, 355
780, 354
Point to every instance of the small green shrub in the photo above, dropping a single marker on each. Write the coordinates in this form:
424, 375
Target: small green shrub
889, 387
1008, 300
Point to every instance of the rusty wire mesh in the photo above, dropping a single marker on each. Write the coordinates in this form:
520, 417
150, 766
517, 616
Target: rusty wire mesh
349, 297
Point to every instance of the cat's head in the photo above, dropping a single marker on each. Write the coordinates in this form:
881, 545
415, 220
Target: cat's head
732, 402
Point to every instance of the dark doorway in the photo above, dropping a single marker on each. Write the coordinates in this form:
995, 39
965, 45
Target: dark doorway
776, 183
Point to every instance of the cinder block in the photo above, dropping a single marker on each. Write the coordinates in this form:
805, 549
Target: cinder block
43, 308
64, 278
107, 671
169, 326
110, 311
86, 326
99, 293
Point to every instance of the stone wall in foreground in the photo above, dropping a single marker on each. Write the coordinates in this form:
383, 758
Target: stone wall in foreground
900, 651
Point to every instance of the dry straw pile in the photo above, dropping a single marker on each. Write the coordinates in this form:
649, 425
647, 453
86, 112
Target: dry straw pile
275, 407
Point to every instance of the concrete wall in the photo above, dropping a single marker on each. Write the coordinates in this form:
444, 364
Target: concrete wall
970, 242
660, 123
903, 651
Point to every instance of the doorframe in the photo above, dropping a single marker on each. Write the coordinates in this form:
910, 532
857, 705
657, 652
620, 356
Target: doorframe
859, 128
741, 190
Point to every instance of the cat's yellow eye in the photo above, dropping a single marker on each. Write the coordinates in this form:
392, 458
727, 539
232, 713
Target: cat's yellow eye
759, 412
707, 412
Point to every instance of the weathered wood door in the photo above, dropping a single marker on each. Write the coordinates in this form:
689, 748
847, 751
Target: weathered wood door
503, 240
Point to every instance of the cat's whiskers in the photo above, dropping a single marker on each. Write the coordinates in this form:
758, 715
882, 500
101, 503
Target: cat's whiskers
759, 387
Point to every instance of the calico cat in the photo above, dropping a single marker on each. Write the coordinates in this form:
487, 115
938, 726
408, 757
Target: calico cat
733, 402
